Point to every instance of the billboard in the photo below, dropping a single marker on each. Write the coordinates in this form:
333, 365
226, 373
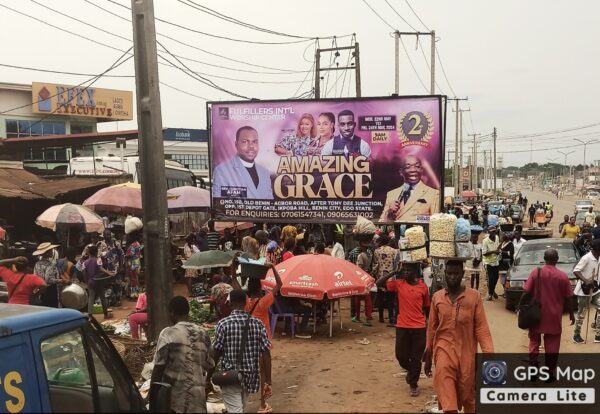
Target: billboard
84, 102
327, 160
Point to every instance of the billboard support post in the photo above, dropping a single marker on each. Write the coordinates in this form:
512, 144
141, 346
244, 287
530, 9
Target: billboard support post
357, 65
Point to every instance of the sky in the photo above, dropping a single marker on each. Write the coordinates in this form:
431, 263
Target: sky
527, 68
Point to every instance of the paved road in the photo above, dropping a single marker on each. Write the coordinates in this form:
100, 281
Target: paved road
503, 323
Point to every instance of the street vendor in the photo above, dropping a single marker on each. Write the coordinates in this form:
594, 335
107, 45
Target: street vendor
413, 300
457, 324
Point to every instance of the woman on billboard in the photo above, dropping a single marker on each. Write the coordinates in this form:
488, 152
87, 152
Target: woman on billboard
298, 144
325, 130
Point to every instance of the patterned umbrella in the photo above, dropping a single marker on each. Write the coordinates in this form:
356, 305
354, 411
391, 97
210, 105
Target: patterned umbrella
70, 214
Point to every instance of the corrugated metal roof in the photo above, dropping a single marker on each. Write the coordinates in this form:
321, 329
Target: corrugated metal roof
18, 183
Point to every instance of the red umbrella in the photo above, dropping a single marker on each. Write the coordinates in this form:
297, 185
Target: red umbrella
469, 194
2, 233
312, 276
123, 198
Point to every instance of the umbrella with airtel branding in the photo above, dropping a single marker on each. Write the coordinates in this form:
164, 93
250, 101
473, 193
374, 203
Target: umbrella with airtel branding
314, 276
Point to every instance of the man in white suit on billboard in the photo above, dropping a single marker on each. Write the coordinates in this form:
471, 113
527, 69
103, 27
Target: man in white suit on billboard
413, 198
241, 176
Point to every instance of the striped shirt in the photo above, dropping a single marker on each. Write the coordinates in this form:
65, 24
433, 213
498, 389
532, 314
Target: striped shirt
213, 240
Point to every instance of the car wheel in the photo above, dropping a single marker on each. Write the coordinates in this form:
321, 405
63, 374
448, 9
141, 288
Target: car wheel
511, 306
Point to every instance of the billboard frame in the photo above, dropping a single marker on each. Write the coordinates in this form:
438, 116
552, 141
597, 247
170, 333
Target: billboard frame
442, 112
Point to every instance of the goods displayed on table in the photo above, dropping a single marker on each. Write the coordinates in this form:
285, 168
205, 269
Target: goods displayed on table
462, 236
416, 244
441, 235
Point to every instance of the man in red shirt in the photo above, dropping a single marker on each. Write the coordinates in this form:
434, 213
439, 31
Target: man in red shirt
555, 290
21, 286
413, 309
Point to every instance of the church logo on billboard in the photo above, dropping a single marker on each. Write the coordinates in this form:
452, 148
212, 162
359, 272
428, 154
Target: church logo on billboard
224, 113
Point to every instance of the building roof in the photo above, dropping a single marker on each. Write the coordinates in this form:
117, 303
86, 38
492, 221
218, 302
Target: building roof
19, 183
68, 139
20, 318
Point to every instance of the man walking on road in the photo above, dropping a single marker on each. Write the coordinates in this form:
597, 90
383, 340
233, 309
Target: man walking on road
228, 338
490, 249
531, 212
564, 223
555, 291
587, 290
457, 324
413, 297
183, 358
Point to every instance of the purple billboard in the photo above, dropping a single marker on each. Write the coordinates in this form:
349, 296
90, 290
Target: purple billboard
327, 160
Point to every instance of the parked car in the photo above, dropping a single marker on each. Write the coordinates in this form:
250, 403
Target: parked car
593, 195
580, 217
583, 205
531, 256
518, 213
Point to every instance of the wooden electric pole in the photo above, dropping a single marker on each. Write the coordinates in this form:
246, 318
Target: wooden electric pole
456, 145
353, 66
495, 136
157, 268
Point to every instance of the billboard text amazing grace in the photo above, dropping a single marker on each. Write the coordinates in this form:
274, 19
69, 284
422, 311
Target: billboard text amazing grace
327, 160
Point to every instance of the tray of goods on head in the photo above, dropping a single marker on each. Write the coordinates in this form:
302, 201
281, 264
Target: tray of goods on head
449, 237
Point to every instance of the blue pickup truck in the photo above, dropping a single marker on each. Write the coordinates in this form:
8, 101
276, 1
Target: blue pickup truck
58, 360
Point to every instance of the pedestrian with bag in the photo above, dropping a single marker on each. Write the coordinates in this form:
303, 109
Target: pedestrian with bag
21, 286
183, 359
46, 269
550, 288
587, 290
241, 342
490, 250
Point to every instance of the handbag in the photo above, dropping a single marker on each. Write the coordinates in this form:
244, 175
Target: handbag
234, 376
530, 312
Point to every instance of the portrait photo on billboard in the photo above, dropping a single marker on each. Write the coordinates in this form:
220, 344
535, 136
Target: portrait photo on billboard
327, 160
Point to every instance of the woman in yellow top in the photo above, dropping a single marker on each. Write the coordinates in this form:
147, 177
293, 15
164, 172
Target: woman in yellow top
570, 230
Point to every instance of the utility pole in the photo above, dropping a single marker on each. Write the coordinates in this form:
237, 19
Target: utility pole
585, 144
397, 35
495, 136
354, 66
152, 168
485, 174
565, 154
456, 145
474, 161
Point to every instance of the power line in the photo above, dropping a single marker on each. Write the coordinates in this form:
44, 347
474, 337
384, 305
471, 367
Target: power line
437, 52
94, 78
214, 35
428, 64
185, 92
403, 19
62, 72
281, 71
203, 79
539, 134
378, 15
233, 20
417, 16
411, 64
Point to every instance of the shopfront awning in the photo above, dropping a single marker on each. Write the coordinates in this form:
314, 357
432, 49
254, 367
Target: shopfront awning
66, 140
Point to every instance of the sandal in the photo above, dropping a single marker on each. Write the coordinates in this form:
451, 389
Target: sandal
266, 409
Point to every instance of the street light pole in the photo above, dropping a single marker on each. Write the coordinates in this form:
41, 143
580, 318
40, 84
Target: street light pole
566, 154
585, 143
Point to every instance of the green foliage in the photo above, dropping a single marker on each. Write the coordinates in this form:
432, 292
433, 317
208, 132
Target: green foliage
200, 312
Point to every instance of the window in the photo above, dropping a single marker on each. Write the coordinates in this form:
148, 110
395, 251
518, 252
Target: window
22, 128
191, 161
67, 372
81, 129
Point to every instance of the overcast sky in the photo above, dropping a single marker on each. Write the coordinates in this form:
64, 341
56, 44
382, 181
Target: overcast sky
526, 66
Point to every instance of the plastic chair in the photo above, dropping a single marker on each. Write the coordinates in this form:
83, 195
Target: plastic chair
276, 313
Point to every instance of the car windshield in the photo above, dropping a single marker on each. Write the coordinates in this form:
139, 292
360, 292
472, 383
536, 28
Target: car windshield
533, 254
583, 203
516, 209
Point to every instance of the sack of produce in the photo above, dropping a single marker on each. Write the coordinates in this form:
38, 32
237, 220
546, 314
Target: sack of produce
364, 230
132, 224
441, 235
416, 243
404, 253
462, 237
492, 220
